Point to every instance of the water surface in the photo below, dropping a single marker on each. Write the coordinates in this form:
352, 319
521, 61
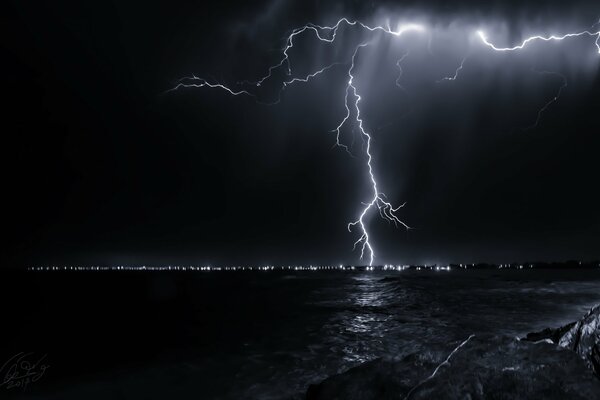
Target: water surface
267, 334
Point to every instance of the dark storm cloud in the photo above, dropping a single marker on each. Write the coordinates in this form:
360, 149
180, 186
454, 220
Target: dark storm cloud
118, 173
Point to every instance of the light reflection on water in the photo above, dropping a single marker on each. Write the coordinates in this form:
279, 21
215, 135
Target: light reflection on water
370, 291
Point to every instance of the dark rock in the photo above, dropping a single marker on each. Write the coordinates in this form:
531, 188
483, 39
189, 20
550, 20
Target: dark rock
481, 367
582, 337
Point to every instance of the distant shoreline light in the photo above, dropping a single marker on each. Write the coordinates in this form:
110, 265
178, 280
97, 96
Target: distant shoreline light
386, 267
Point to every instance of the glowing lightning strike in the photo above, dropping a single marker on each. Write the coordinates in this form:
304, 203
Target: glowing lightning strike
386, 210
530, 39
543, 38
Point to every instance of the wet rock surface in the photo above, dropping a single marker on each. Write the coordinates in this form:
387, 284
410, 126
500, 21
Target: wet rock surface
551, 364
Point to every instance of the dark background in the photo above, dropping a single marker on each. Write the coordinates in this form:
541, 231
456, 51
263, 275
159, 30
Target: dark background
102, 167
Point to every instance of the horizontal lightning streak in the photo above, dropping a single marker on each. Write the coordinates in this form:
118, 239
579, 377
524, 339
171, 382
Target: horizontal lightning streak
542, 38
545, 39
195, 82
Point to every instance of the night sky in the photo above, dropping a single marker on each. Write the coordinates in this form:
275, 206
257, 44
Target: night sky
103, 166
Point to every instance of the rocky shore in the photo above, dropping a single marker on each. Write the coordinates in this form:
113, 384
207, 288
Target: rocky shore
582, 337
556, 363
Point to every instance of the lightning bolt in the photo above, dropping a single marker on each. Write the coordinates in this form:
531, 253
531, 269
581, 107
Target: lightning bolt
352, 99
535, 38
531, 39
332, 31
195, 82
552, 100
328, 34
386, 210
310, 76
401, 71
456, 72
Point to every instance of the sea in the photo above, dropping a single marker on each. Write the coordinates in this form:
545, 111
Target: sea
260, 334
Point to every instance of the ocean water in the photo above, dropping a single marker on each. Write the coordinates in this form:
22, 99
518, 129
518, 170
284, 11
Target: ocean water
264, 334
